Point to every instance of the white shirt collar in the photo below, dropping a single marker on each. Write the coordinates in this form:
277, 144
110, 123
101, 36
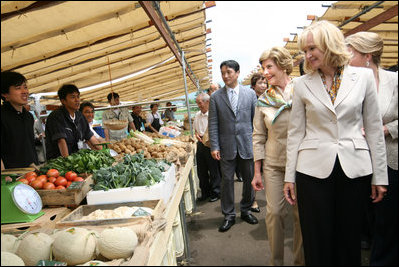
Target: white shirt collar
236, 89
72, 118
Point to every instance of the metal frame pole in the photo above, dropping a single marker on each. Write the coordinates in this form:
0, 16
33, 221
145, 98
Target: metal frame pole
184, 228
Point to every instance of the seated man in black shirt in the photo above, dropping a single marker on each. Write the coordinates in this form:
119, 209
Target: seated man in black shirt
138, 121
66, 127
17, 138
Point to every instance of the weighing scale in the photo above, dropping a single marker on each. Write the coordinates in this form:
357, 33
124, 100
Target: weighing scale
20, 203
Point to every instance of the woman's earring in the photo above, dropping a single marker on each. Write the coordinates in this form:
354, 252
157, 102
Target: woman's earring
368, 64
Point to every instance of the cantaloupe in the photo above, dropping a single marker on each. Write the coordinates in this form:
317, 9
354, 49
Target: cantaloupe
35, 247
74, 245
10, 259
118, 242
9, 243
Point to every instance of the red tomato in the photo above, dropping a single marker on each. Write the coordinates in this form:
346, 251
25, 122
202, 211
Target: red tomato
48, 186
30, 178
36, 184
78, 179
23, 180
60, 187
70, 175
52, 179
42, 178
68, 184
53, 173
29, 174
61, 181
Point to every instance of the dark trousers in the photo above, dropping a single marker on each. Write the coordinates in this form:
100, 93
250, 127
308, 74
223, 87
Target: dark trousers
384, 248
208, 171
331, 213
246, 168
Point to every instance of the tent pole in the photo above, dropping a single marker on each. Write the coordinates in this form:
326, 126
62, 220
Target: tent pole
186, 92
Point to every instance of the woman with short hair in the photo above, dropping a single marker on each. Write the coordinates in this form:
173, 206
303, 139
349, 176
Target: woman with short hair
366, 49
269, 145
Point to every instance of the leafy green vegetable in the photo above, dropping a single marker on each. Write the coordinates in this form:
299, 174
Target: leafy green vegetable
134, 170
85, 160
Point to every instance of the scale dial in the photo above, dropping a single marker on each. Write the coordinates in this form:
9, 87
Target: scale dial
27, 199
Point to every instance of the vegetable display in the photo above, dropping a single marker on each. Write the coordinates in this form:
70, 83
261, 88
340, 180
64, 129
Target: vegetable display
135, 170
72, 246
51, 180
85, 160
157, 148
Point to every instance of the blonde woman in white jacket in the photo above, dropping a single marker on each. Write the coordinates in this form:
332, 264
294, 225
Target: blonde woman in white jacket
332, 164
367, 48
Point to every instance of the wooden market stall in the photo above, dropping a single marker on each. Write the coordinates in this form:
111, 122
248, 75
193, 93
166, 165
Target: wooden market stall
165, 243
140, 49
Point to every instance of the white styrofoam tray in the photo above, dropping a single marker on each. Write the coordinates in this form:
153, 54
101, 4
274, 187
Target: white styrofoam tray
162, 190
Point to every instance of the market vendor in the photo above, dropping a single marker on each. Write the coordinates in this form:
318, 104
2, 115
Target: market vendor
117, 114
169, 114
138, 121
154, 121
87, 110
67, 129
17, 138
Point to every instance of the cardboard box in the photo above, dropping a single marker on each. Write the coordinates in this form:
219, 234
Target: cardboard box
162, 190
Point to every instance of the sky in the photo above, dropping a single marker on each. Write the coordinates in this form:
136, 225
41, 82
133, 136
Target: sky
242, 30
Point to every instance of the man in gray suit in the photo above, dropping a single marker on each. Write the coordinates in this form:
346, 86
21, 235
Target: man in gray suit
231, 111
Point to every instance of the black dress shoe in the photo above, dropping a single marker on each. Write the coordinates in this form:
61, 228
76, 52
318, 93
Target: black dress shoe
239, 179
214, 198
249, 218
255, 209
226, 225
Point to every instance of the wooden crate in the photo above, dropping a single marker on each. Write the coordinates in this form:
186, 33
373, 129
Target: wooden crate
45, 223
73, 219
69, 196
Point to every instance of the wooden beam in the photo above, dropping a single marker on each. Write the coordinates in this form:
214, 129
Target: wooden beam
37, 5
384, 16
152, 14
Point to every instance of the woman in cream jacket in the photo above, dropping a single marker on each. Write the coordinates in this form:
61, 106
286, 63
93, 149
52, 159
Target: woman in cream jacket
269, 145
366, 48
328, 158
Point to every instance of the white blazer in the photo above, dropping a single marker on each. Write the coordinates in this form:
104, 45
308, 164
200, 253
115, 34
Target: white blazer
318, 131
388, 103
